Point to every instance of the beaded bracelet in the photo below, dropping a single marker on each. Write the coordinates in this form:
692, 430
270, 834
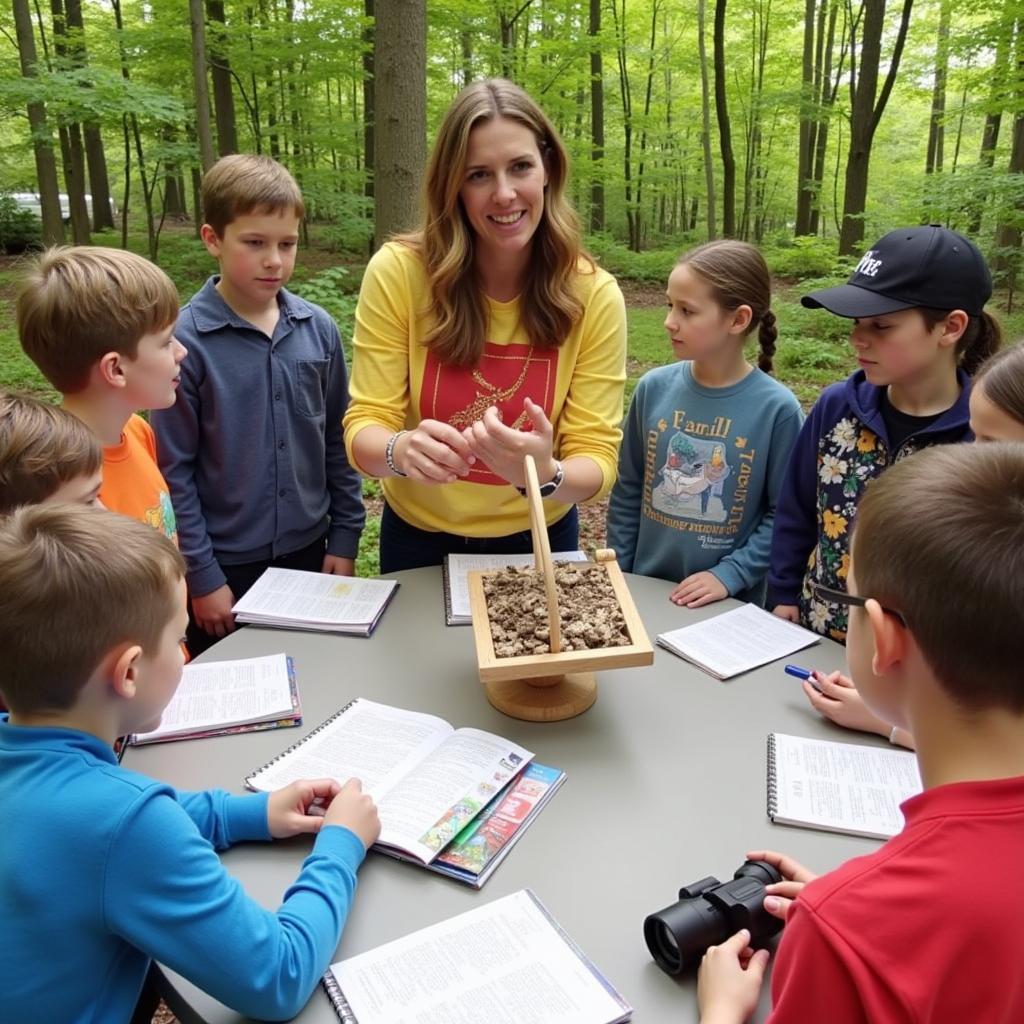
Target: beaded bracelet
389, 453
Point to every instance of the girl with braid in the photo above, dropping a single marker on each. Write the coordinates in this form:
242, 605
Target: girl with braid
707, 439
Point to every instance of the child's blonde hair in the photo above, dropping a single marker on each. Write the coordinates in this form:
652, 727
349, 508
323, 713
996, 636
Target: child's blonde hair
738, 276
78, 303
242, 183
1001, 378
41, 448
75, 582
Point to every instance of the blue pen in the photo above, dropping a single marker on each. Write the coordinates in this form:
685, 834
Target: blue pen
803, 673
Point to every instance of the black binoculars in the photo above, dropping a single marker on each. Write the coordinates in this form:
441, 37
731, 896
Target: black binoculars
708, 912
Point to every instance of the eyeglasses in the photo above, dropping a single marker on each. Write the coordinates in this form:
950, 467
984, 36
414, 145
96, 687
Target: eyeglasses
852, 600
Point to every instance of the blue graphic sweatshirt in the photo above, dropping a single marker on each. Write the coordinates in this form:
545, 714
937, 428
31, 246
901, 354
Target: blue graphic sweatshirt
843, 446
700, 470
104, 869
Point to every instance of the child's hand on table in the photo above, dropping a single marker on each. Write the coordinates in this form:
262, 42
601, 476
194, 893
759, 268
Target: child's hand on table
355, 810
699, 589
299, 807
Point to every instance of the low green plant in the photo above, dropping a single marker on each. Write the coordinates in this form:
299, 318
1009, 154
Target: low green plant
20, 229
332, 289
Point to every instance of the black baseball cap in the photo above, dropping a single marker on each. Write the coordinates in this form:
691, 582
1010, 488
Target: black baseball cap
928, 266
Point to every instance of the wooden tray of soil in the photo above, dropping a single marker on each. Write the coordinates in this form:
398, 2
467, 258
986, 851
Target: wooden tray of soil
541, 633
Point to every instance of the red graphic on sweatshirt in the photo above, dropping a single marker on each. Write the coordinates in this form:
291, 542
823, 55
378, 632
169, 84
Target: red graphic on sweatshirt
505, 376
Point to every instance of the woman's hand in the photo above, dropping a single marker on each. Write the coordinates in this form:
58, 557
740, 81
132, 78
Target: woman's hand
433, 453
503, 449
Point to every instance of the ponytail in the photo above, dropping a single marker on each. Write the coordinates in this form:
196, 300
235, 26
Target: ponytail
767, 332
981, 340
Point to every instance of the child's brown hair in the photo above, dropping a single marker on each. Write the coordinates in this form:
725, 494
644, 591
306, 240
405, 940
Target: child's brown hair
981, 338
738, 276
241, 183
77, 303
75, 582
938, 539
41, 448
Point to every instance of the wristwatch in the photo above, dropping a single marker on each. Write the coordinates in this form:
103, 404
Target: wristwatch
546, 490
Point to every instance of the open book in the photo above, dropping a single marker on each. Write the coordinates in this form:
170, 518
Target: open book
428, 779
474, 854
506, 960
737, 641
456, 569
293, 599
219, 697
839, 787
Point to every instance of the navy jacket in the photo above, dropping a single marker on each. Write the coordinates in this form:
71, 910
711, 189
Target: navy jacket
842, 447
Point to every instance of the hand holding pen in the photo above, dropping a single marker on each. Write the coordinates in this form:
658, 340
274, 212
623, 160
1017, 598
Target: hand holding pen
835, 697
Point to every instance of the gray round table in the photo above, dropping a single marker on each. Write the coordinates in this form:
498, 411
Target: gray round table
666, 784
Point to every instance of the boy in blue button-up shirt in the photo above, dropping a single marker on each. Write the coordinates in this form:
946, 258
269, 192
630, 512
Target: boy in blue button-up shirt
253, 450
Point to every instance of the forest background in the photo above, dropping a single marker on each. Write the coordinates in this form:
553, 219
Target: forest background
807, 127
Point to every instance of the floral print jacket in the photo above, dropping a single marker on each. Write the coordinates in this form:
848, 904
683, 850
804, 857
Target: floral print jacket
841, 448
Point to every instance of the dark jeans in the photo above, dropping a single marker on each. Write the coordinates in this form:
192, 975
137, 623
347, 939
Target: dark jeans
241, 577
403, 546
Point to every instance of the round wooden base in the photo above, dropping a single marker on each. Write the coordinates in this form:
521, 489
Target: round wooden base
548, 699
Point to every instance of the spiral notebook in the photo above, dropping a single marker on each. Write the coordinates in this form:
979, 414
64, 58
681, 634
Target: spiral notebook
429, 779
509, 954
839, 787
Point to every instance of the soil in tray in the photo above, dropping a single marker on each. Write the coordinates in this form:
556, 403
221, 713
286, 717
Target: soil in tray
588, 608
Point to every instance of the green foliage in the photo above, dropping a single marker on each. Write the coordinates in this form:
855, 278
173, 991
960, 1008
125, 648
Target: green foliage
803, 257
653, 266
20, 229
368, 558
328, 289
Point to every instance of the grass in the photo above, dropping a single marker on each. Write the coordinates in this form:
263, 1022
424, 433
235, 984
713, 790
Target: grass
812, 349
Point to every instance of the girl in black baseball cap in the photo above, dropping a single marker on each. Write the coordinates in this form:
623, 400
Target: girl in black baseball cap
917, 302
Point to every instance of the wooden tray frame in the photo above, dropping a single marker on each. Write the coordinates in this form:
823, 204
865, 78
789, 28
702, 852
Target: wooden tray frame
559, 684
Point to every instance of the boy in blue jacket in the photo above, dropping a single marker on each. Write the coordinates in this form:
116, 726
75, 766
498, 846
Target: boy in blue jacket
104, 869
919, 329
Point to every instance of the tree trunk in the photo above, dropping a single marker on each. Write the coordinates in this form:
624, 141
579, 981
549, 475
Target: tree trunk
369, 111
705, 96
202, 93
808, 127
400, 107
865, 113
596, 120
724, 128
937, 121
72, 149
632, 224
220, 73
828, 91
1008, 233
96, 161
994, 117
42, 138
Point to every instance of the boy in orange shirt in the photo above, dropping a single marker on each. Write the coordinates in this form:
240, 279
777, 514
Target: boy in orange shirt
99, 324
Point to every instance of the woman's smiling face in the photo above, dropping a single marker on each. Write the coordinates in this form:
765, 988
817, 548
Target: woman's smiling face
503, 187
